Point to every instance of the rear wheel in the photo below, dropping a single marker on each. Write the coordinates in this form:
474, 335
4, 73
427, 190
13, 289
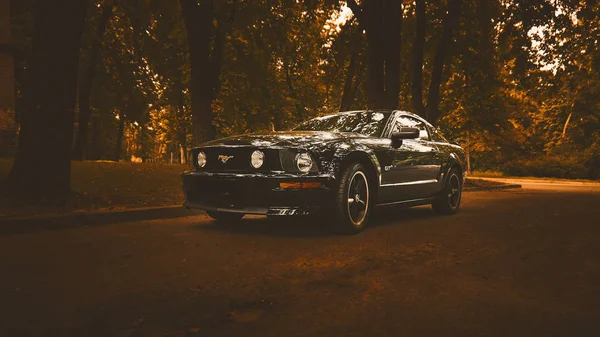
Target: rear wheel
353, 199
448, 201
225, 216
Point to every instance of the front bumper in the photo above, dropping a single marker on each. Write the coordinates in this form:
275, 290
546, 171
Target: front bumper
255, 193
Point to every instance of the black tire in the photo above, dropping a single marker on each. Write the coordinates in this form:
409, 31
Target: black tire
353, 200
448, 201
225, 216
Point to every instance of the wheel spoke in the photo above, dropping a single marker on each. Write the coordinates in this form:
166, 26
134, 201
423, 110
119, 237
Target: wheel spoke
358, 194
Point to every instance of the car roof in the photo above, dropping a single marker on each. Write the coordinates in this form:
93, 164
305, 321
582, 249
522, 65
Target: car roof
403, 112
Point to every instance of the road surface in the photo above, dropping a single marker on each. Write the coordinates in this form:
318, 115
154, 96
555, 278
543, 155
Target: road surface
523, 262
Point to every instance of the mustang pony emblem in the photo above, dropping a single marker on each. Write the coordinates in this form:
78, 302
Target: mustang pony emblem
223, 158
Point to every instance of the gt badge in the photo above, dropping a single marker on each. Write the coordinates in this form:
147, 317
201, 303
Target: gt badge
223, 158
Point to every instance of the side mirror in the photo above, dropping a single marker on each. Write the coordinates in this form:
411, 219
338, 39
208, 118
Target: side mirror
404, 133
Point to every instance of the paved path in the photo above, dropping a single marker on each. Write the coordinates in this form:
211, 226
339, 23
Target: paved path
550, 184
522, 262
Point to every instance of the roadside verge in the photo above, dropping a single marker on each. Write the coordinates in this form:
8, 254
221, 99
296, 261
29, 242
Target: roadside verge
23, 224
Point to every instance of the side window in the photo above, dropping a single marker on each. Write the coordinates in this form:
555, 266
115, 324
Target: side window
437, 136
410, 122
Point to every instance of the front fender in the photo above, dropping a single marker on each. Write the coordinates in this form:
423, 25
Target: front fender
342, 153
454, 159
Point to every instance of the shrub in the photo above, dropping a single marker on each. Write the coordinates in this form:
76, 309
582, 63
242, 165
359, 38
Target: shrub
548, 166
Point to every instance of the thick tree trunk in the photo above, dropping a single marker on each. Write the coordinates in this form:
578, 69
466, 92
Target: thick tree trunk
7, 83
42, 166
198, 18
381, 19
119, 143
205, 66
392, 22
85, 87
417, 59
450, 22
373, 14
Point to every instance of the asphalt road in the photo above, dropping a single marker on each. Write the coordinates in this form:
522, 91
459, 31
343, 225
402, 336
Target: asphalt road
522, 262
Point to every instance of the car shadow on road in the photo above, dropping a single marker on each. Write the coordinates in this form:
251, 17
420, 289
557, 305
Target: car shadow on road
388, 216
302, 227
307, 227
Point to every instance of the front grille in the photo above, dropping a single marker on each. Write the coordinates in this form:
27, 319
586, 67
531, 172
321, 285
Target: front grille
238, 161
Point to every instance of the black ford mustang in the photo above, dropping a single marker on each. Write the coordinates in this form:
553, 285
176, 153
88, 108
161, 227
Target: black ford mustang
341, 165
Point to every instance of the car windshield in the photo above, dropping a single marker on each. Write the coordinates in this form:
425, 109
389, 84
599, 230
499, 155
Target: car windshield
368, 123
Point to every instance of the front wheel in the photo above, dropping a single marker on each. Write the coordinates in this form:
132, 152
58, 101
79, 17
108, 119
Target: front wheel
353, 199
448, 201
225, 216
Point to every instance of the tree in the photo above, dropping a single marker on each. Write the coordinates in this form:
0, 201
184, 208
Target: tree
87, 81
206, 62
7, 82
382, 21
431, 111
42, 166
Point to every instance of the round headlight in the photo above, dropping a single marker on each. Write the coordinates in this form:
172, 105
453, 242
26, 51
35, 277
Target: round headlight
201, 159
304, 162
257, 159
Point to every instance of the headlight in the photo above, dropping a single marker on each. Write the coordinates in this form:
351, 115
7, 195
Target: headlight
201, 159
257, 159
304, 162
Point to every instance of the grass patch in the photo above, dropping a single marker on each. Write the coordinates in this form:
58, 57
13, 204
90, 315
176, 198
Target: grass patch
111, 185
488, 174
470, 182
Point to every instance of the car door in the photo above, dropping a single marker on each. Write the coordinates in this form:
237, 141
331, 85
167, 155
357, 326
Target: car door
415, 164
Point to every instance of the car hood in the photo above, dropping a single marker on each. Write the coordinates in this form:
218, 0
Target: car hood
283, 139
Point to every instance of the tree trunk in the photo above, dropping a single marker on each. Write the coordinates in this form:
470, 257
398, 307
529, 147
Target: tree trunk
564, 132
198, 19
85, 87
182, 154
450, 22
205, 66
417, 59
95, 151
373, 11
392, 22
347, 97
7, 83
300, 108
120, 130
42, 166
381, 19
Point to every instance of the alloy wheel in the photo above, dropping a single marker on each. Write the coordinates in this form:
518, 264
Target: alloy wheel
358, 198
